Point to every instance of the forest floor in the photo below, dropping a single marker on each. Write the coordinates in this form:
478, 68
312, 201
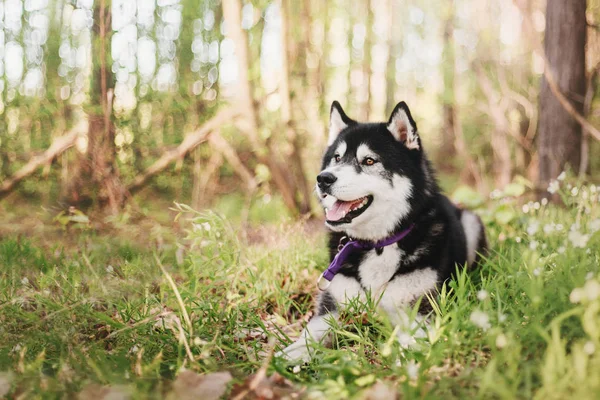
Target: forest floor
196, 309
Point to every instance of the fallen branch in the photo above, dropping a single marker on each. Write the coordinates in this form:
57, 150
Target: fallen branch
57, 147
190, 142
221, 145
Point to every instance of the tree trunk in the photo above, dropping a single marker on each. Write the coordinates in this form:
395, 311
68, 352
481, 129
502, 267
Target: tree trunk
97, 180
281, 174
559, 137
447, 150
365, 95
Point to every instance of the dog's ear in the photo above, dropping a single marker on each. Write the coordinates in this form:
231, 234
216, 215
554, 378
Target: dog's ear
403, 127
338, 121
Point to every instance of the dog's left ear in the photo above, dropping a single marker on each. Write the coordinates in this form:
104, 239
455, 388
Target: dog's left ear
403, 127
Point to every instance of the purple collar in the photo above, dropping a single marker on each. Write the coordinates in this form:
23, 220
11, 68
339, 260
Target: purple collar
348, 247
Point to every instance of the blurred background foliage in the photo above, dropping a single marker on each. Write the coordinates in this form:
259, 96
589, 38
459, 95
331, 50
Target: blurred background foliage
224, 104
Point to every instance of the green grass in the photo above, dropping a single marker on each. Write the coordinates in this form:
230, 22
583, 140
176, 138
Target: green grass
93, 309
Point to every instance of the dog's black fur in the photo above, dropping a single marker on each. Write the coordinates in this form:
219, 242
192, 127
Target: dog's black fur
437, 221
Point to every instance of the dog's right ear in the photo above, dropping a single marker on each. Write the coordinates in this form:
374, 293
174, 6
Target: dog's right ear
338, 121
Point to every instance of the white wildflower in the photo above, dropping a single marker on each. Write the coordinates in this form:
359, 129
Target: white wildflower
501, 341
589, 276
562, 176
537, 272
589, 348
574, 191
25, 281
412, 370
296, 369
110, 269
533, 244
525, 208
206, 226
482, 295
481, 319
134, 349
536, 205
592, 289
553, 187
406, 340
578, 239
518, 239
561, 249
594, 226
533, 227
544, 201
502, 318
576, 295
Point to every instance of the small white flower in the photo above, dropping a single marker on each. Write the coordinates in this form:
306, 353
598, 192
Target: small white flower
525, 208
206, 226
501, 341
110, 269
561, 249
576, 295
594, 225
412, 370
544, 201
536, 205
574, 191
134, 349
589, 276
518, 239
592, 289
25, 281
482, 295
406, 340
589, 348
553, 187
562, 176
533, 227
296, 369
481, 319
578, 239
536, 272
533, 244
502, 317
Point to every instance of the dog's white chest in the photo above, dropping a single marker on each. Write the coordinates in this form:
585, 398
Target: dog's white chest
376, 270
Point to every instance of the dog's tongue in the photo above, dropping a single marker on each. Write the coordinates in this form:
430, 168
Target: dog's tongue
338, 210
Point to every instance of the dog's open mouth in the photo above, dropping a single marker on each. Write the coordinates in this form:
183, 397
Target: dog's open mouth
343, 212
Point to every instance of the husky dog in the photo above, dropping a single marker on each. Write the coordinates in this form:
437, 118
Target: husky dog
393, 233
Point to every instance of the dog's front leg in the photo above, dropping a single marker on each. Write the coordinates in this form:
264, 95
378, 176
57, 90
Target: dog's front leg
315, 331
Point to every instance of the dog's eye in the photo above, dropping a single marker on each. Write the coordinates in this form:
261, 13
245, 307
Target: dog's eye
337, 158
369, 161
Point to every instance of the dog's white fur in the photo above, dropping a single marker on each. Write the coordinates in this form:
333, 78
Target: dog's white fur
390, 201
472, 226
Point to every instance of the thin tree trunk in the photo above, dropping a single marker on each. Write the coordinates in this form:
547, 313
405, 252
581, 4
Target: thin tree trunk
97, 179
365, 97
281, 175
560, 135
287, 113
393, 52
448, 150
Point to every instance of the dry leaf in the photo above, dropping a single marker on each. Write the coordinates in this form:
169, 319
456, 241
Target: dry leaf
380, 391
6, 379
274, 387
97, 392
192, 386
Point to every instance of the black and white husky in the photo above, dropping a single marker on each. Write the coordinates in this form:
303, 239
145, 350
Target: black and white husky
393, 233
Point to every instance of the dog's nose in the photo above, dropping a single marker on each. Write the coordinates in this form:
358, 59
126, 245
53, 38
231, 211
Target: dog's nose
326, 179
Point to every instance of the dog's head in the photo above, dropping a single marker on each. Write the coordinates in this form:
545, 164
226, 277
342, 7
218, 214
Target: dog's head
373, 174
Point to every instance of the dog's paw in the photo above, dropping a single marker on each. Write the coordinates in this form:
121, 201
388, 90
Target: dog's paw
296, 353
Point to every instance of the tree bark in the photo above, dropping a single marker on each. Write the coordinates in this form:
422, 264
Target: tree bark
281, 174
447, 150
97, 179
560, 134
